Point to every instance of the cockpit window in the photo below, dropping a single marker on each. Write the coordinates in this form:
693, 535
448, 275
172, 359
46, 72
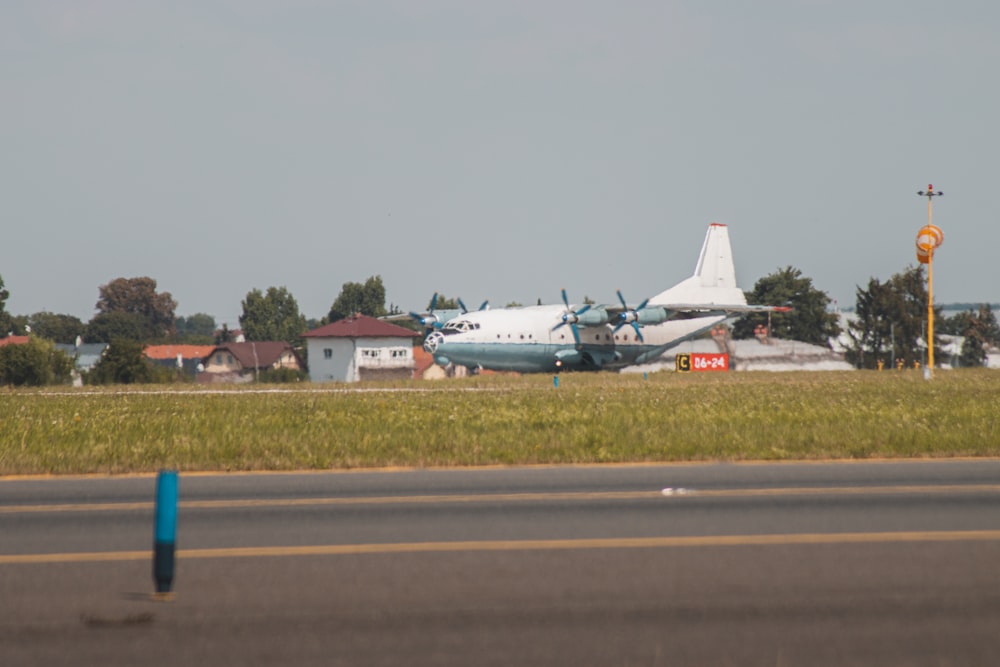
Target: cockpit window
459, 326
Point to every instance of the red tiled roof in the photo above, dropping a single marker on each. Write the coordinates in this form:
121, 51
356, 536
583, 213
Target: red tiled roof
422, 360
361, 326
171, 351
14, 340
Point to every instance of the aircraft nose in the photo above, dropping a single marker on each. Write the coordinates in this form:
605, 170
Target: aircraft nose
432, 341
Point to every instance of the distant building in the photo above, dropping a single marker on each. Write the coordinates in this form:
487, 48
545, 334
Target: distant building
187, 358
771, 354
238, 362
427, 369
424, 367
86, 355
359, 348
14, 340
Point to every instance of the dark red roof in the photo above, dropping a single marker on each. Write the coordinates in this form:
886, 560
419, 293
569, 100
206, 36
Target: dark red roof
360, 326
267, 352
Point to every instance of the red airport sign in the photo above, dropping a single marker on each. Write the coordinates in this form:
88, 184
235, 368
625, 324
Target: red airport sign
695, 362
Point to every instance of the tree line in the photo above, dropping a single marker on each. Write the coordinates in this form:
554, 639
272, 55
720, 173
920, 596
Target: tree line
132, 309
132, 313
890, 322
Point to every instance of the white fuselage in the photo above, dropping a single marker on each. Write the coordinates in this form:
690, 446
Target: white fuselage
523, 339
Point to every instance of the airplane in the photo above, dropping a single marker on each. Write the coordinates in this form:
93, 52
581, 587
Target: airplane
553, 338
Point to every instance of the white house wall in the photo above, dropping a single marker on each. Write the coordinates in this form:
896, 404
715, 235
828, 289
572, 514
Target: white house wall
346, 355
338, 367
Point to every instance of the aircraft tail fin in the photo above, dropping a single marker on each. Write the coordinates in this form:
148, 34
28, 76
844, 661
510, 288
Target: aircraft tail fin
714, 279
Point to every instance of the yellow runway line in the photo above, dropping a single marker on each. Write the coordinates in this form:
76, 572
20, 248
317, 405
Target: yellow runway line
805, 539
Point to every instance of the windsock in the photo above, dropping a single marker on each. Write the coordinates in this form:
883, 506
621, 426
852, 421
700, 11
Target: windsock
929, 238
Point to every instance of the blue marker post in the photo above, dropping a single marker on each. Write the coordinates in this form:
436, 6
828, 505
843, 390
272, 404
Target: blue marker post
165, 532
555, 381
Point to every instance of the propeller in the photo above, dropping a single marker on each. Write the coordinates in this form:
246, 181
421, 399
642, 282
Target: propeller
428, 319
571, 317
483, 306
629, 316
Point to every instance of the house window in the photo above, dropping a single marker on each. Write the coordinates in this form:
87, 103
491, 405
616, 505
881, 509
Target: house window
327, 353
218, 358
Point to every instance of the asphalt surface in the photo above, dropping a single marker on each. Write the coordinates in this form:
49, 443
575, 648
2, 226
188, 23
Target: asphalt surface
787, 564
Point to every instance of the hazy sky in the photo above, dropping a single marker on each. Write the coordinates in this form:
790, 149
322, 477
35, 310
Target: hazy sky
489, 149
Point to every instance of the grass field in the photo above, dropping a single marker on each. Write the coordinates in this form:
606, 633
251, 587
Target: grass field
504, 420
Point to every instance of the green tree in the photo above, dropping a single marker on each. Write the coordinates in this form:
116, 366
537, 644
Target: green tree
20, 325
989, 327
122, 363
367, 299
809, 320
197, 329
979, 329
139, 296
105, 327
223, 335
57, 327
35, 363
890, 320
6, 325
272, 316
444, 303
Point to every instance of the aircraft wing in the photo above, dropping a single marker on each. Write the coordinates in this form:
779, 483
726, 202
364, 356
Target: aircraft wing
721, 308
647, 313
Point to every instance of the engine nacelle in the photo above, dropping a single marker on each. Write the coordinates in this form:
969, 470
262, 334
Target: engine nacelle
426, 319
593, 317
652, 315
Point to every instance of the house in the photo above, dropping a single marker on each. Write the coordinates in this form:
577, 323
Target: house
86, 355
14, 340
424, 367
187, 358
359, 348
238, 362
427, 369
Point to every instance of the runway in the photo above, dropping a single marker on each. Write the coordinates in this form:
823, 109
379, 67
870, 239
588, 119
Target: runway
750, 564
